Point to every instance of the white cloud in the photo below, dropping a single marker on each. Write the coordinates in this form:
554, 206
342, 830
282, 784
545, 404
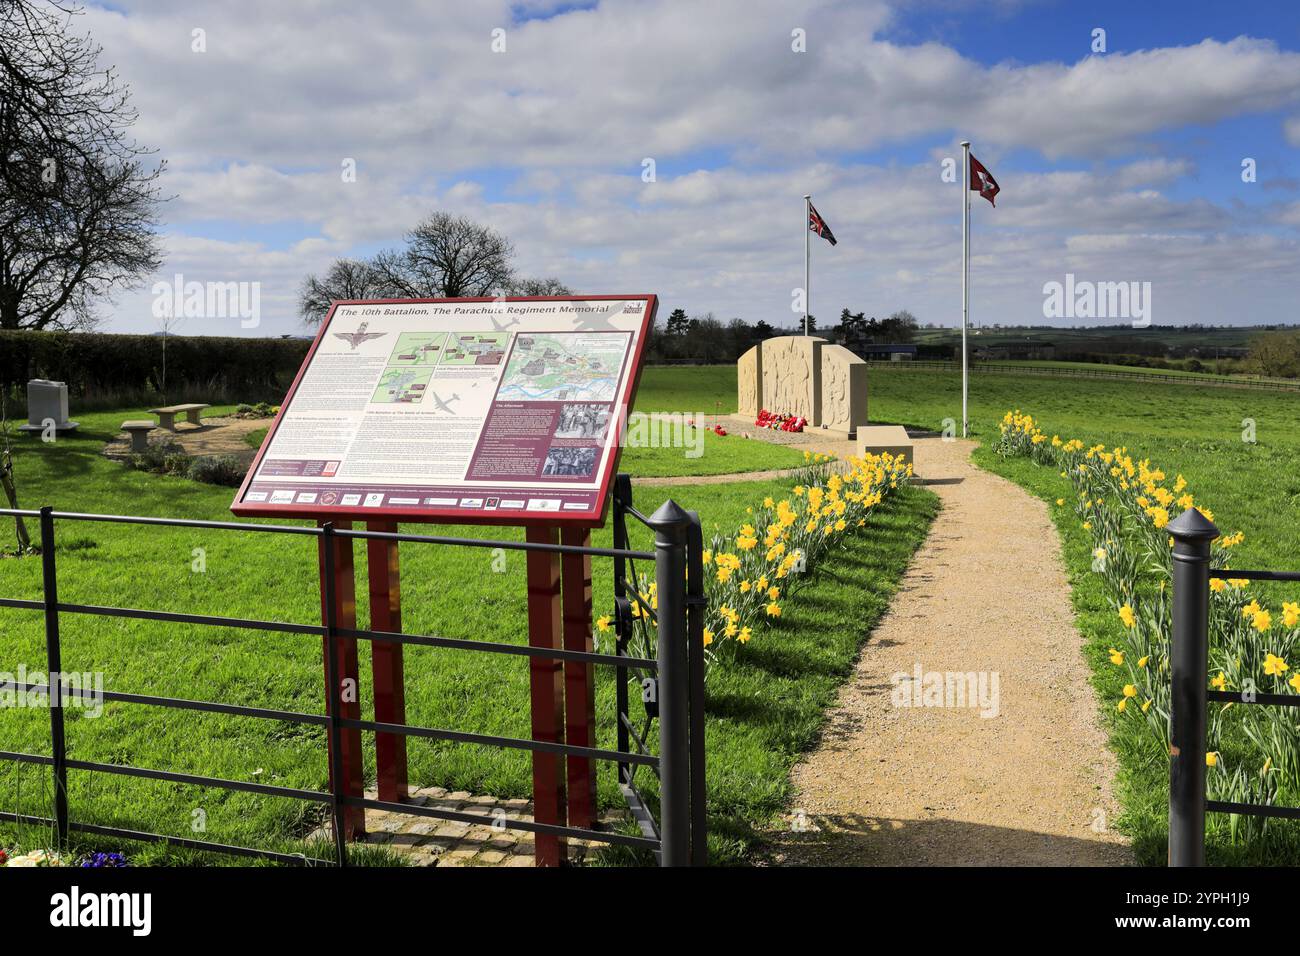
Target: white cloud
1292, 129
256, 128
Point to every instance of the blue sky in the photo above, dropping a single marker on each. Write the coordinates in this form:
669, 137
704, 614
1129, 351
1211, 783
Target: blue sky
1118, 166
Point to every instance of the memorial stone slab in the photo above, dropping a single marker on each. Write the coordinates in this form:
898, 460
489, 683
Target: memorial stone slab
807, 376
47, 402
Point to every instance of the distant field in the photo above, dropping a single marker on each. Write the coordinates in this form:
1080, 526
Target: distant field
1167, 336
1104, 369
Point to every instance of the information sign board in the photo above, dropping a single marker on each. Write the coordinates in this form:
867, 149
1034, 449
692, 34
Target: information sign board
478, 411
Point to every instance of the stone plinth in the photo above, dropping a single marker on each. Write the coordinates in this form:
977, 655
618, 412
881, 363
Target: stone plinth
47, 402
881, 439
807, 376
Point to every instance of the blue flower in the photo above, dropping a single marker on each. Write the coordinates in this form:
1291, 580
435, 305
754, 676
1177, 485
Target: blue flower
104, 859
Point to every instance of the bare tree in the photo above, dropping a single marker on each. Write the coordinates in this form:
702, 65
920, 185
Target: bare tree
449, 256
77, 211
546, 286
344, 279
445, 256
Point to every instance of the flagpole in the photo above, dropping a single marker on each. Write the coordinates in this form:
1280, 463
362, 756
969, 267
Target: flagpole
807, 292
965, 274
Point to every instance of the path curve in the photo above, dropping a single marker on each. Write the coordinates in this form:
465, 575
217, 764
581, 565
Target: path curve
896, 786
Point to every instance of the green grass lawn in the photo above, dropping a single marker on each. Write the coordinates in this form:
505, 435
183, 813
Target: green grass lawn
689, 389
765, 706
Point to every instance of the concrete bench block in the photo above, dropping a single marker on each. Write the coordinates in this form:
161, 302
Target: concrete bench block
167, 414
139, 432
879, 439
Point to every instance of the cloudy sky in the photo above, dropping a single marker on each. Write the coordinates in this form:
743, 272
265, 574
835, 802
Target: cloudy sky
1123, 165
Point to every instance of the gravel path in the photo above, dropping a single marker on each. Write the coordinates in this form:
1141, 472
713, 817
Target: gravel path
216, 436
893, 785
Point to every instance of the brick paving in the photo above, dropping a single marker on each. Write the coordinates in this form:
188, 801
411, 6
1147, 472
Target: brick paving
426, 841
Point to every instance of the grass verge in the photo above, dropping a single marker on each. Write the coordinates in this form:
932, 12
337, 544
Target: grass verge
1142, 782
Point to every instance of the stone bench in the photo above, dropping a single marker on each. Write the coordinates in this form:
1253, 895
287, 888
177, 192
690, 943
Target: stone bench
139, 432
878, 439
167, 415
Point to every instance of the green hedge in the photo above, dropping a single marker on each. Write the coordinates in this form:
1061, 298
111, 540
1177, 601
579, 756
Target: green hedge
104, 371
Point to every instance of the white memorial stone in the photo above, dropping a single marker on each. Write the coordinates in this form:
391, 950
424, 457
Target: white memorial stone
47, 402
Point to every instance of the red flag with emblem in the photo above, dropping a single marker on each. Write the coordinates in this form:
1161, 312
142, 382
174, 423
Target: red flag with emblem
982, 181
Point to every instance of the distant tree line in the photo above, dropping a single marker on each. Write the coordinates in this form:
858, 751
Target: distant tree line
707, 340
123, 371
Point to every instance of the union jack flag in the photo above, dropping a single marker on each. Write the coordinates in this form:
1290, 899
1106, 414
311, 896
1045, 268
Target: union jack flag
818, 225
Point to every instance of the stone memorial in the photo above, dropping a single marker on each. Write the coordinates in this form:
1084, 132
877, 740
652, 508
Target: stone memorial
47, 402
807, 376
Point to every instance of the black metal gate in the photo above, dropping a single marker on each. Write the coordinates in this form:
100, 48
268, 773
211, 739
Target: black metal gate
674, 667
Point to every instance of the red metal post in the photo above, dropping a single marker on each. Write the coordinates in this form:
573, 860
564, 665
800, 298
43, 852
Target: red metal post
579, 679
386, 662
546, 686
347, 696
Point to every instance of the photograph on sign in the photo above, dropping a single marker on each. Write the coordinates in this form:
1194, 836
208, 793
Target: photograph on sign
500, 411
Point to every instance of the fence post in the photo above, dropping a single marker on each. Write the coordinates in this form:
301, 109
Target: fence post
670, 524
1192, 533
333, 696
54, 664
698, 603
622, 501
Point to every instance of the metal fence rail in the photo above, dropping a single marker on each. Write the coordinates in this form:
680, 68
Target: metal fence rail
677, 673
1189, 666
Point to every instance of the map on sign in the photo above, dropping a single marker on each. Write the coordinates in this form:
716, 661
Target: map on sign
567, 367
402, 385
418, 348
471, 410
476, 348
